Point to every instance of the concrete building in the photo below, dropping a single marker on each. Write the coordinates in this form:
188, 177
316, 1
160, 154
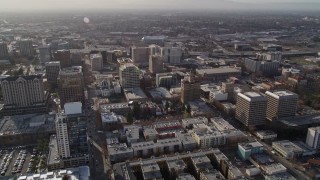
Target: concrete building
171, 55
45, 54
71, 132
96, 62
135, 94
190, 89
151, 171
155, 64
266, 134
267, 68
288, 149
119, 152
64, 57
129, 76
159, 40
70, 85
274, 168
270, 56
313, 137
245, 150
23, 94
3, 50
251, 109
219, 74
140, 55
52, 72
281, 104
208, 137
166, 80
26, 48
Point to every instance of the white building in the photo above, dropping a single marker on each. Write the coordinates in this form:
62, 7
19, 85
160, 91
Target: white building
313, 139
62, 135
209, 138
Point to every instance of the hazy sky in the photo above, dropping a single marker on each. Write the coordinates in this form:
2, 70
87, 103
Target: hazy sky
31, 5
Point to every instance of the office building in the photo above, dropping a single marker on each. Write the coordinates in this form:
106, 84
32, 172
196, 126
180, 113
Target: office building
3, 50
265, 67
52, 72
155, 64
288, 149
313, 137
26, 48
166, 80
281, 104
25, 93
70, 85
140, 55
129, 76
270, 56
71, 129
76, 59
251, 108
96, 62
159, 40
190, 89
45, 54
64, 57
171, 55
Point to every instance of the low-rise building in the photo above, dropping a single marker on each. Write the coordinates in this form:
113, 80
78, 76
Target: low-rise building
151, 171
274, 168
288, 149
266, 134
135, 94
245, 150
119, 152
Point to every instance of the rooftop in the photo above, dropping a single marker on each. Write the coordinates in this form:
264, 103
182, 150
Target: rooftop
134, 94
53, 157
79, 173
20, 124
252, 96
219, 70
282, 94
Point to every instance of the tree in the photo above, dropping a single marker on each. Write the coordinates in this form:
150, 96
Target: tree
130, 117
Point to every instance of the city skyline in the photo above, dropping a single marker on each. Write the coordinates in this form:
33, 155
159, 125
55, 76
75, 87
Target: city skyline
85, 5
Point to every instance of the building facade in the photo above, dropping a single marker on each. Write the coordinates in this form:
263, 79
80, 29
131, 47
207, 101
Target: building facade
52, 72
129, 76
70, 84
140, 55
171, 55
313, 137
96, 62
251, 108
3, 50
64, 57
155, 64
190, 89
26, 48
281, 104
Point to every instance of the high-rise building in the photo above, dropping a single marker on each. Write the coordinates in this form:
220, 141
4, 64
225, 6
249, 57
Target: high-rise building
281, 104
70, 84
3, 50
52, 72
26, 48
72, 136
270, 56
23, 94
44, 54
129, 76
228, 87
313, 137
155, 64
140, 55
64, 57
251, 109
96, 62
171, 55
190, 89
166, 79
155, 49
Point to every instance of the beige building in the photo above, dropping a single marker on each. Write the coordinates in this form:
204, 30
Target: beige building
129, 76
140, 55
70, 84
23, 91
281, 104
251, 108
190, 89
156, 64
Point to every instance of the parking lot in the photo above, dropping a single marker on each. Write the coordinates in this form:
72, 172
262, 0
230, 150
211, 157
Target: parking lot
20, 160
